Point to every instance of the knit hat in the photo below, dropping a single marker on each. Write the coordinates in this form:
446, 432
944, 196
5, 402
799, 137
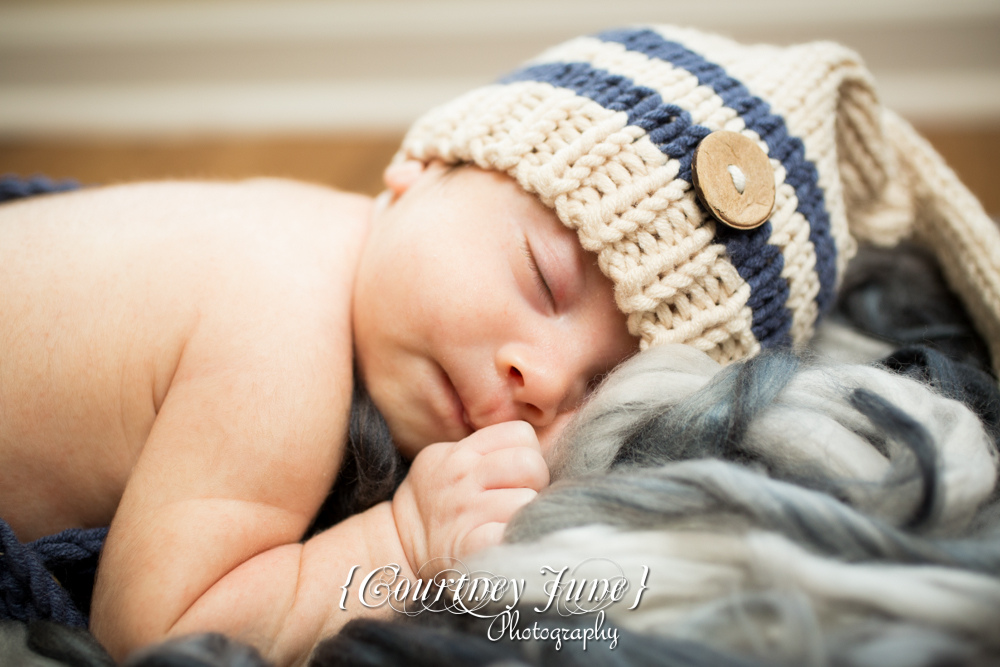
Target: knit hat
604, 129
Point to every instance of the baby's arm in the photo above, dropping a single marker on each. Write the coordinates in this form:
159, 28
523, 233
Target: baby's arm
249, 421
206, 534
240, 456
455, 501
285, 600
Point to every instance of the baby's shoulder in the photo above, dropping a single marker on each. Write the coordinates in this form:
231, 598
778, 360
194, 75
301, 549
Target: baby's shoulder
280, 230
246, 269
219, 311
269, 263
224, 247
271, 213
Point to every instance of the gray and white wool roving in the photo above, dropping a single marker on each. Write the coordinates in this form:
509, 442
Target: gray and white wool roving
788, 512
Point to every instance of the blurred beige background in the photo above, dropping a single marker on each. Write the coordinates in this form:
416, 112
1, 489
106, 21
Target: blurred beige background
107, 91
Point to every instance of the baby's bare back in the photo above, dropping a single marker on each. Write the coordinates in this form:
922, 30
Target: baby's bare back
102, 290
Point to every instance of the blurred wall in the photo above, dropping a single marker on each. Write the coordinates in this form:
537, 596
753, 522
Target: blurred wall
306, 65
205, 78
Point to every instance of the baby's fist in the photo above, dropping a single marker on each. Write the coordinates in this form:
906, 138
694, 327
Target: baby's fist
459, 496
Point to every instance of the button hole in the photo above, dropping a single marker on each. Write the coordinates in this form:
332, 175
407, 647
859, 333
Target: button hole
739, 178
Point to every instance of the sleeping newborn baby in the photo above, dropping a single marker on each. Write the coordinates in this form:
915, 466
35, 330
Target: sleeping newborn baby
178, 363
177, 358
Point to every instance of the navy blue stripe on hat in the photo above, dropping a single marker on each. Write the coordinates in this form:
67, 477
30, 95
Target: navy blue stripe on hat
801, 173
668, 126
673, 131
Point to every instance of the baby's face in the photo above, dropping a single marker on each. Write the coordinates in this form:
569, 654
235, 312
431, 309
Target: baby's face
474, 305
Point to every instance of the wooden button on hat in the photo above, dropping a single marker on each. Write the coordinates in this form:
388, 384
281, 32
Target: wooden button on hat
734, 179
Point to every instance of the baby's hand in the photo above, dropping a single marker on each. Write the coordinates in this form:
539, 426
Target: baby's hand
458, 496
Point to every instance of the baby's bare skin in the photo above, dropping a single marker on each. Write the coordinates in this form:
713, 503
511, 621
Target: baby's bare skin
113, 296
178, 357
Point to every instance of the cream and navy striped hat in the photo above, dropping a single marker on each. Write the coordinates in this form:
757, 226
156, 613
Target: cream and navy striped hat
605, 130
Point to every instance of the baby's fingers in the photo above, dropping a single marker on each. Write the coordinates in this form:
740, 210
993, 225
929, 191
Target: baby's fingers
503, 436
483, 537
497, 505
495, 509
515, 467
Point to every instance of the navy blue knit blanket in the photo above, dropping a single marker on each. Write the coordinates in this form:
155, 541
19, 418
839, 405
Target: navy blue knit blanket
15, 187
51, 578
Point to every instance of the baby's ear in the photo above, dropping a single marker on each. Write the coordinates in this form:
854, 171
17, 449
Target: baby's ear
399, 176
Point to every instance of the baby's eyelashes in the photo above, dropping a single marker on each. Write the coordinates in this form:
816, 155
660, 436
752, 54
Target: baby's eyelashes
544, 290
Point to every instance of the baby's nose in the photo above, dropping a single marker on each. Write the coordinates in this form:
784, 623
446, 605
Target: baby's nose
543, 385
